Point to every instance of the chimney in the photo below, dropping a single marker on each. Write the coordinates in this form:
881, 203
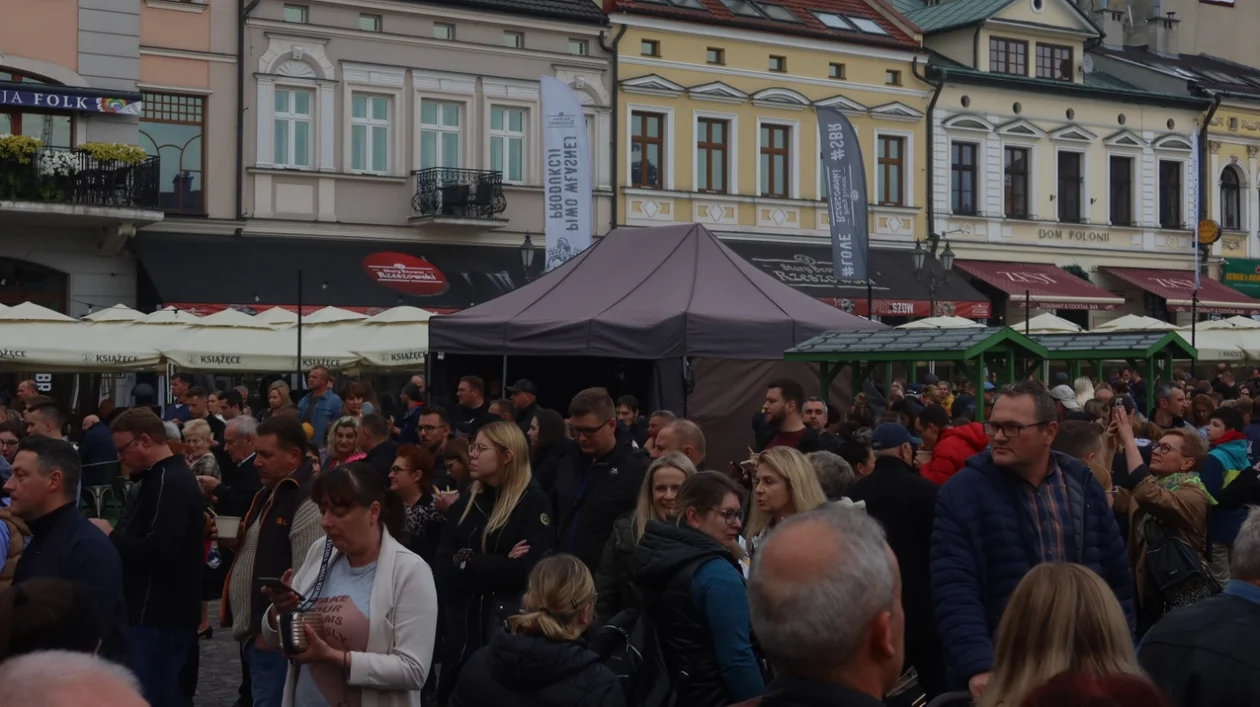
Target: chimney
1112, 24
1161, 35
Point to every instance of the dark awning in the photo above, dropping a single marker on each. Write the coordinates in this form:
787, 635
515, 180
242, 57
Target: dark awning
894, 289
1177, 288
45, 97
1043, 285
194, 269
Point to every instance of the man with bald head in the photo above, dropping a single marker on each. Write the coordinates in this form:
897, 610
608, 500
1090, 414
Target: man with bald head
681, 436
825, 599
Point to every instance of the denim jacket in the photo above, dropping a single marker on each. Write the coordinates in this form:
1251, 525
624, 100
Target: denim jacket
327, 410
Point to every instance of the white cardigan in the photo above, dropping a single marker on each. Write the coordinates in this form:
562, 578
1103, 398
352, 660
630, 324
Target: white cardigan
401, 627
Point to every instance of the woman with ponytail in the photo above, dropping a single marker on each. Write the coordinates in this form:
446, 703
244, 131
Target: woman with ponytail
375, 599
495, 533
543, 661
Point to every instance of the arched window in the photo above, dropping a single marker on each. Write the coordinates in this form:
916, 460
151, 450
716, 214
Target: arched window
55, 130
1231, 200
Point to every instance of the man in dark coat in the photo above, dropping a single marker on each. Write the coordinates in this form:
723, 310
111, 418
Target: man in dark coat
374, 441
525, 401
1012, 507
904, 503
1202, 654
473, 411
599, 481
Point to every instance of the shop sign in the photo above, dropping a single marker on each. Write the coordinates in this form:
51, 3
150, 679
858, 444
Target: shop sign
1243, 274
406, 274
1073, 234
404, 356
45, 99
114, 359
214, 360
12, 353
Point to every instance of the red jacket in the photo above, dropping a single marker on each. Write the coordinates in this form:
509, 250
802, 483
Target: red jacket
953, 448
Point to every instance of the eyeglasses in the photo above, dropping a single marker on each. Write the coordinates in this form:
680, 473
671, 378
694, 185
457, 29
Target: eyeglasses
8, 443
123, 449
1010, 429
1164, 448
590, 431
396, 469
481, 448
730, 515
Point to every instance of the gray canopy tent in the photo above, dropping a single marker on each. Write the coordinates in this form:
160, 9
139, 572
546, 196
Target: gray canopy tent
715, 325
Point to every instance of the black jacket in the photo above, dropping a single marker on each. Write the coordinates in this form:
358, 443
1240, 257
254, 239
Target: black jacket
240, 482
789, 691
1203, 655
764, 432
905, 504
162, 548
98, 455
382, 456
525, 416
533, 671
490, 582
613, 579
589, 495
465, 422
409, 428
547, 462
66, 546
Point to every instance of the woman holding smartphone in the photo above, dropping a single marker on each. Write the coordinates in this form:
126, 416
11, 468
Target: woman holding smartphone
494, 535
374, 600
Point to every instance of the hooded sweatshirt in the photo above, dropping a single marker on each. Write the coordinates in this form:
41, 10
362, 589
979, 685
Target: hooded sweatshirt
538, 672
953, 448
1225, 461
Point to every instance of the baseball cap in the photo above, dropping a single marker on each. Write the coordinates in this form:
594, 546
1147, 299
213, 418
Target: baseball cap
889, 435
523, 385
1065, 395
988, 385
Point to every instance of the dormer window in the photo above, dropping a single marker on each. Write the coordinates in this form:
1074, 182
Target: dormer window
1054, 62
1008, 56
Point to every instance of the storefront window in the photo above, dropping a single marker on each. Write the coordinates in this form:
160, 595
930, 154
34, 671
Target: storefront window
52, 129
21, 281
172, 128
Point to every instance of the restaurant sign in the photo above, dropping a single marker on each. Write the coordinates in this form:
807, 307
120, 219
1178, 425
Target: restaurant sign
1243, 274
46, 99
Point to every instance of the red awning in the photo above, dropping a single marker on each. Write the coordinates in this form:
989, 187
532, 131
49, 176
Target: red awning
1044, 285
1177, 287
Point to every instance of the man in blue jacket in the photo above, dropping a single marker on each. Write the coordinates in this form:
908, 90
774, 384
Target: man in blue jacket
1225, 461
1013, 507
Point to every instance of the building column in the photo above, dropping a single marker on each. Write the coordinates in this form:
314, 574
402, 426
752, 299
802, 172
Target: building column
1252, 195
327, 126
264, 117
1214, 182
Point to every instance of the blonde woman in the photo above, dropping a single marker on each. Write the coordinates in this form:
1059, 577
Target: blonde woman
197, 440
656, 502
1062, 617
560, 670
342, 445
494, 535
278, 399
1083, 387
785, 484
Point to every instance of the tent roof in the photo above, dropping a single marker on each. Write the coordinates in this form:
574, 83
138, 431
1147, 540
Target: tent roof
941, 323
958, 344
1103, 345
646, 293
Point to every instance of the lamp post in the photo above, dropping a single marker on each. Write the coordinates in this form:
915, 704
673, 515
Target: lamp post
920, 256
527, 254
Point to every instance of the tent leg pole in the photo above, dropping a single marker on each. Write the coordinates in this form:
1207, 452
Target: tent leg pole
504, 376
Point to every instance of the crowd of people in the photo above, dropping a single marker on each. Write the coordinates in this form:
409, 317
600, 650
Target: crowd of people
1080, 544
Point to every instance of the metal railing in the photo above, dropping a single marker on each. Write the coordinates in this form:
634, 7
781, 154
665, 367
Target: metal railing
68, 176
445, 192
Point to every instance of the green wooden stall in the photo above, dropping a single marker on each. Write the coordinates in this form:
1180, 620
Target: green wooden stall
972, 350
1151, 353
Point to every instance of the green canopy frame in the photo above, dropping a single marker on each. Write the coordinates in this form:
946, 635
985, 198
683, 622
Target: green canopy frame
1150, 353
972, 349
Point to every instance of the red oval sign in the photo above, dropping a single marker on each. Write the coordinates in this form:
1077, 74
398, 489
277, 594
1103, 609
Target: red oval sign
406, 274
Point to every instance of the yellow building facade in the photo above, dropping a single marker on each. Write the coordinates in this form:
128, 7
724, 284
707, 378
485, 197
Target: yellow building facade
1234, 199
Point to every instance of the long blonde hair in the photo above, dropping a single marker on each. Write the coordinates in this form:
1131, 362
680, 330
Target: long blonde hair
560, 588
796, 471
1062, 617
507, 439
645, 510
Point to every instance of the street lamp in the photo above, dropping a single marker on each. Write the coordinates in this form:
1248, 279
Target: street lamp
920, 256
527, 254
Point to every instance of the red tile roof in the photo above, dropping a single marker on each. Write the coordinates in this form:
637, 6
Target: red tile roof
810, 25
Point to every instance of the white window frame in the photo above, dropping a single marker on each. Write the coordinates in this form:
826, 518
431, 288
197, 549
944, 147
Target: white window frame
794, 157
463, 130
667, 152
1085, 216
293, 119
907, 169
504, 134
1135, 185
381, 81
368, 123
380, 22
449, 25
1244, 202
515, 35
305, 10
978, 142
585, 44
732, 151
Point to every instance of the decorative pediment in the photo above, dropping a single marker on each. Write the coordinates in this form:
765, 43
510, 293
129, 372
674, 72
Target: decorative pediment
1125, 138
652, 85
1073, 133
1173, 142
1021, 128
781, 98
846, 105
896, 111
967, 121
717, 91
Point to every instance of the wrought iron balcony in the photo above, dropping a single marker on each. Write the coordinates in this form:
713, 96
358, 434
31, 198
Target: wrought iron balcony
66, 176
467, 194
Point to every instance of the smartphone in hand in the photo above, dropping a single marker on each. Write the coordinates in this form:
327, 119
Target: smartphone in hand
279, 587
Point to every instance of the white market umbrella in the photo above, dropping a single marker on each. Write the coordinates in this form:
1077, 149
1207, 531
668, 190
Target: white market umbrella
332, 315
395, 338
117, 313
1047, 323
1222, 344
277, 316
1135, 322
941, 323
171, 315
1231, 323
35, 337
235, 341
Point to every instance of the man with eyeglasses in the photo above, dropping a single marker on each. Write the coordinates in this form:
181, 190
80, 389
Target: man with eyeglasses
11, 434
1014, 506
598, 481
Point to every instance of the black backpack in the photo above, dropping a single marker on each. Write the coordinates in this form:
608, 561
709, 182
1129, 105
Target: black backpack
629, 646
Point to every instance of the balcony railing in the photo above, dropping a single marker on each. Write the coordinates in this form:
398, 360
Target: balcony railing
67, 176
444, 192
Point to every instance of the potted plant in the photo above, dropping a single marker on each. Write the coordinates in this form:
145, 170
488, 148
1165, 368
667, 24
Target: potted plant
114, 152
16, 155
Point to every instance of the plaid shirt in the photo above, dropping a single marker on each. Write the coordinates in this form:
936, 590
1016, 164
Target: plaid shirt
1048, 504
